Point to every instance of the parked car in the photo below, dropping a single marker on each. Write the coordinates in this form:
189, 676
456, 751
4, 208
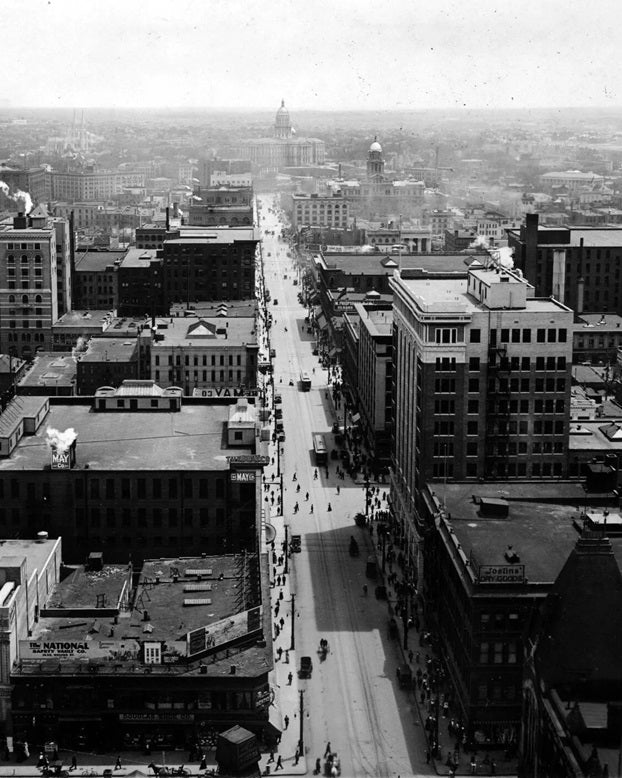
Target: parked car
306, 667
278, 399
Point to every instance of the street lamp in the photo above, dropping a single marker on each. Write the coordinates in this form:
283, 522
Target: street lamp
293, 601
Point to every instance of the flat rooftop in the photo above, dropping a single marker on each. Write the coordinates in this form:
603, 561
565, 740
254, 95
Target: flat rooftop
191, 331
190, 439
220, 309
539, 529
377, 263
81, 318
51, 369
109, 350
35, 552
93, 261
170, 603
139, 257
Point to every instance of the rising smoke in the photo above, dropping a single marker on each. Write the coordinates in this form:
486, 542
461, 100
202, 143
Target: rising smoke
60, 441
17, 196
501, 255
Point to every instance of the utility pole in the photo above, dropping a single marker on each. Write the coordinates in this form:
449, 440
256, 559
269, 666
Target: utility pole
293, 645
301, 740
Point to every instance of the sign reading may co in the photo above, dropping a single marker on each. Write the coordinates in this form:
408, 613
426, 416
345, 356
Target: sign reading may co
242, 477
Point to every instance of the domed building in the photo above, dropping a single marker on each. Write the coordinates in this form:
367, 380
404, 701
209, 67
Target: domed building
379, 195
375, 162
283, 149
282, 125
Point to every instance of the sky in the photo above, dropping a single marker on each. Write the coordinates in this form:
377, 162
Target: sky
316, 54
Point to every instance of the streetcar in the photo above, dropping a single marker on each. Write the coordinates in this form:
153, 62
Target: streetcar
305, 381
319, 449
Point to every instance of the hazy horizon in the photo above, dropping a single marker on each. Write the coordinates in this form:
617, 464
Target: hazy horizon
356, 55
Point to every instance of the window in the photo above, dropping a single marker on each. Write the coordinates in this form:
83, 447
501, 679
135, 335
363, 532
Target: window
474, 363
473, 406
498, 653
515, 336
473, 384
541, 336
475, 336
561, 336
483, 653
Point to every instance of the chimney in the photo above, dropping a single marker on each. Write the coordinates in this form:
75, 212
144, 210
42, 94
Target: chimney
20, 222
168, 218
64, 458
531, 245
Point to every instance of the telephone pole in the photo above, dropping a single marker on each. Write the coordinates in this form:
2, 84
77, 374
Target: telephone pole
301, 741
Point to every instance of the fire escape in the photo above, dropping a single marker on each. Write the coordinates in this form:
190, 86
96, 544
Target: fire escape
497, 410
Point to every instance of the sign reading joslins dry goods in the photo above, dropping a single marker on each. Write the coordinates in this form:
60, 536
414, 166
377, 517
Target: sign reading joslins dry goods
499, 574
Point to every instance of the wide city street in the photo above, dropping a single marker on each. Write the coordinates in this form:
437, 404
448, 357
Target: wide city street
352, 698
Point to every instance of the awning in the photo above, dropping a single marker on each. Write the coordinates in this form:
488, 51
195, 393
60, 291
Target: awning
317, 311
356, 417
333, 352
321, 322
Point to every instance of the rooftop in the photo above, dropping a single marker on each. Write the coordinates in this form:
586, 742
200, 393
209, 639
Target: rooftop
92, 261
215, 332
50, 369
191, 439
540, 529
138, 257
378, 263
109, 350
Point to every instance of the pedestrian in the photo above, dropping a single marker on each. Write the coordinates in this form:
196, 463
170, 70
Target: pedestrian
282, 622
118, 765
428, 756
329, 509
307, 496
297, 756
26, 749
473, 765
74, 762
271, 757
278, 580
365, 589
410, 655
311, 511
279, 763
318, 766
290, 678
286, 721
279, 651
338, 490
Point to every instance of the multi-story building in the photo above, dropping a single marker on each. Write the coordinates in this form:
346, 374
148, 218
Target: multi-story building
141, 284
204, 264
580, 266
107, 362
572, 180
482, 382
102, 662
96, 279
491, 556
89, 185
29, 571
28, 284
216, 354
126, 473
317, 211
373, 379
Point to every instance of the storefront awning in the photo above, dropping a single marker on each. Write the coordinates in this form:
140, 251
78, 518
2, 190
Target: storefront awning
317, 311
321, 322
356, 417
333, 352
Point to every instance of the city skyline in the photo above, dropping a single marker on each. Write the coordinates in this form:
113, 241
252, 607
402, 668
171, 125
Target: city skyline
317, 56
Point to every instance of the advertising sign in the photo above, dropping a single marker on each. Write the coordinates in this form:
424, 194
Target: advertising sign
216, 636
60, 460
243, 477
502, 574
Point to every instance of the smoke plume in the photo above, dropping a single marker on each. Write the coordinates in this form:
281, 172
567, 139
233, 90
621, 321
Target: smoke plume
18, 197
503, 256
60, 441
480, 242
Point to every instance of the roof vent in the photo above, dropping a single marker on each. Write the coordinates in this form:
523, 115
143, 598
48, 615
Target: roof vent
511, 556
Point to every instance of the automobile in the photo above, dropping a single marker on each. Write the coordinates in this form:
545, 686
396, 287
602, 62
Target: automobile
315, 352
279, 425
306, 667
278, 399
278, 413
272, 353
275, 301
281, 437
404, 676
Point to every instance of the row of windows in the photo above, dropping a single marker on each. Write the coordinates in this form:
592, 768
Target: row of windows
155, 518
498, 653
26, 324
238, 359
444, 468
141, 488
516, 335
23, 246
38, 284
24, 259
518, 448
172, 375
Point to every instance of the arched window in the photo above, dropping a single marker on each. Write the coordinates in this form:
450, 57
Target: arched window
11, 298
38, 299
25, 299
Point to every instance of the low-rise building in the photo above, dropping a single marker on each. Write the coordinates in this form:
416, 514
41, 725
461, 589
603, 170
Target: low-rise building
96, 279
209, 354
107, 362
168, 663
50, 374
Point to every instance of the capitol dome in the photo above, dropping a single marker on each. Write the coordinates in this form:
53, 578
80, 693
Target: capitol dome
375, 146
282, 125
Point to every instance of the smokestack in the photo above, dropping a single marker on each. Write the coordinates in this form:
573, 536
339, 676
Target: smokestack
20, 222
168, 218
63, 448
531, 245
176, 210
580, 294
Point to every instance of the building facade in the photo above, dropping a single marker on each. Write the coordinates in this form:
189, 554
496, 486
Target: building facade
331, 211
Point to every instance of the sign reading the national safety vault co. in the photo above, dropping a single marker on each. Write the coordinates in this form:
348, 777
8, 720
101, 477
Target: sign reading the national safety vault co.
502, 574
